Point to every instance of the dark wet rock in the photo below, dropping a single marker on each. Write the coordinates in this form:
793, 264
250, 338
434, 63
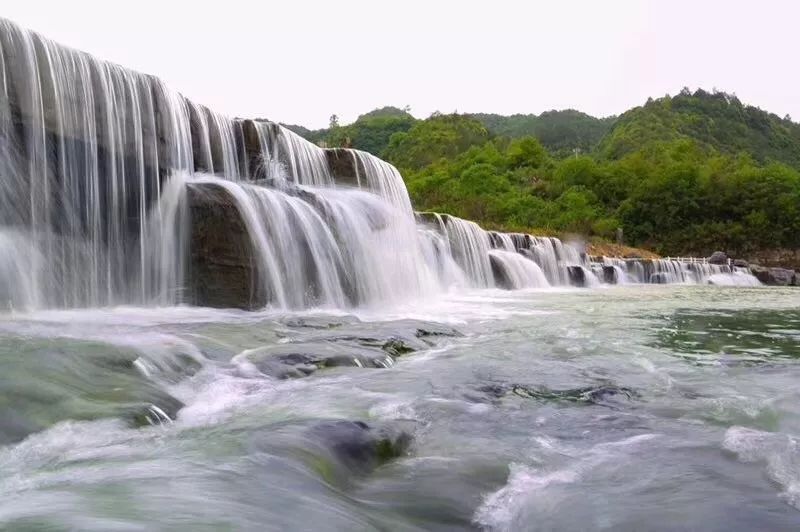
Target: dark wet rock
434, 329
163, 411
488, 393
344, 166
359, 446
397, 347
610, 275
659, 278
393, 345
223, 271
37, 408
312, 323
297, 360
577, 275
494, 390
416, 334
251, 145
430, 218
589, 394
322, 344
741, 263
501, 277
774, 276
718, 257
598, 394
289, 365
496, 239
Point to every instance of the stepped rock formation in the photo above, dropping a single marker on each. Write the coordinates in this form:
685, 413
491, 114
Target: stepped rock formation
222, 263
114, 189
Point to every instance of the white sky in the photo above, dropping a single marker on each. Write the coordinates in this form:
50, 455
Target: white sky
299, 61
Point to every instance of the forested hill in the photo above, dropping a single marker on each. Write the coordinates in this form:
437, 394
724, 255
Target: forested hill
714, 120
685, 174
558, 131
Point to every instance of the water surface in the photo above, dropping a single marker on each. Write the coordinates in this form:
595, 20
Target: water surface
624, 408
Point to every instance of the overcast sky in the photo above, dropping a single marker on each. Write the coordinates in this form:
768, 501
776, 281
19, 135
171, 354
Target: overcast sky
299, 61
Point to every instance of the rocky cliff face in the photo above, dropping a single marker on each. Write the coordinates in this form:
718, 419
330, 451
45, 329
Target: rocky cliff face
222, 270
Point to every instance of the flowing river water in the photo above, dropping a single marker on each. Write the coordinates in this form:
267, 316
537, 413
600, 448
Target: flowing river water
387, 383
612, 408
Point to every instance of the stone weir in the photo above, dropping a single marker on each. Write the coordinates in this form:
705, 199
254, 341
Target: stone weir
92, 161
115, 189
715, 269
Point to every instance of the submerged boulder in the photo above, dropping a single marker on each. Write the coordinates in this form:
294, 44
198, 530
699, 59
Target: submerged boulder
603, 394
358, 446
339, 451
301, 359
79, 381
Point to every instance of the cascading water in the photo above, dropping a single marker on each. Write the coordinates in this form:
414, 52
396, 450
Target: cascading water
469, 245
381, 178
671, 271
515, 271
612, 270
94, 164
288, 156
82, 174
329, 247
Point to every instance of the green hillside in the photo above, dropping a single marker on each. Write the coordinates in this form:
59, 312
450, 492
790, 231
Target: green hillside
369, 132
686, 174
717, 121
558, 131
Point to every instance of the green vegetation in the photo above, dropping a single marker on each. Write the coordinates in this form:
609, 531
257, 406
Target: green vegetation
681, 175
561, 132
715, 121
370, 132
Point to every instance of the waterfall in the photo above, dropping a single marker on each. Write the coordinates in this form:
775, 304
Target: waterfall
317, 246
514, 271
671, 271
96, 161
289, 157
469, 246
381, 178
83, 172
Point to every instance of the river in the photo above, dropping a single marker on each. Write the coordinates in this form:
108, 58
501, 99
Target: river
626, 408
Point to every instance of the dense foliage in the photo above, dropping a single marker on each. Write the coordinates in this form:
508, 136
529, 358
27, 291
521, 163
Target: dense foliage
682, 175
561, 132
717, 121
370, 132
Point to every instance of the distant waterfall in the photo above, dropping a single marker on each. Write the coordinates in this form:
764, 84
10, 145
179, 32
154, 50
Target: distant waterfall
506, 260
675, 271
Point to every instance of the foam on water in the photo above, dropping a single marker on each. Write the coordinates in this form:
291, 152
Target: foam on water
502, 509
779, 454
